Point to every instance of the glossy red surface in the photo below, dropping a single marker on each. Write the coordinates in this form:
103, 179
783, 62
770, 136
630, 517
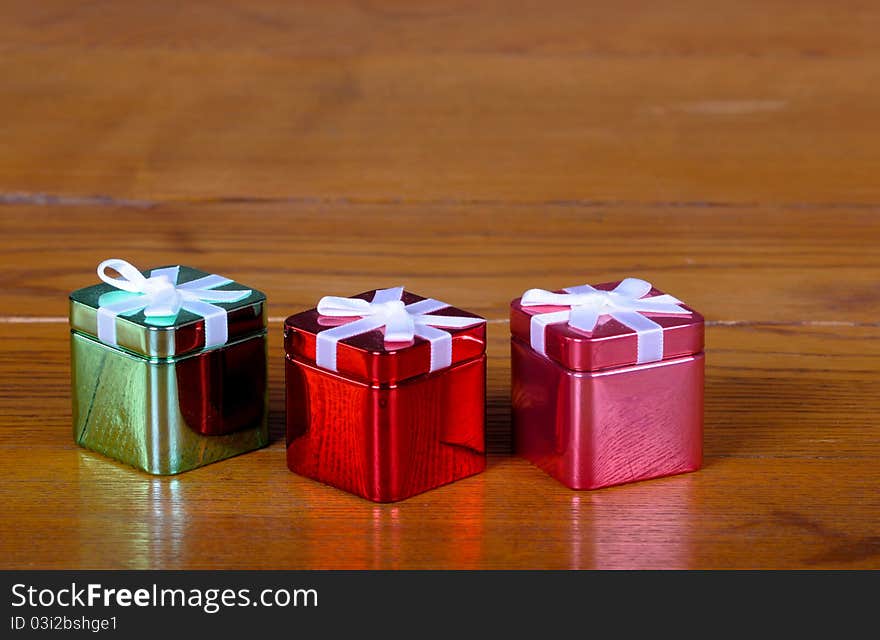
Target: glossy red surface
368, 358
386, 443
223, 390
611, 344
242, 322
595, 429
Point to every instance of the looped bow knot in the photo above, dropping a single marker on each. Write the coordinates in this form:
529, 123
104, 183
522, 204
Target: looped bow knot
625, 303
402, 323
161, 299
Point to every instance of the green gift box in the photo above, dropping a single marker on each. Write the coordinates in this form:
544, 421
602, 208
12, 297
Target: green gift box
168, 369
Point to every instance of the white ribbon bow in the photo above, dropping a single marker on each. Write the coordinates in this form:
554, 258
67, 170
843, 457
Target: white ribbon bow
625, 304
161, 297
402, 323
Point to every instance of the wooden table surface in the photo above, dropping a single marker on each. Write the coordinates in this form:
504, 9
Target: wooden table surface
728, 152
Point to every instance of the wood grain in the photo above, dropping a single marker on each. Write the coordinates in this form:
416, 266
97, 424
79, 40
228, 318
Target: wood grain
580, 104
748, 28
726, 152
757, 263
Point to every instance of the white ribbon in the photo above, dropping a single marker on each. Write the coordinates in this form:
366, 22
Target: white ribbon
626, 304
161, 297
402, 322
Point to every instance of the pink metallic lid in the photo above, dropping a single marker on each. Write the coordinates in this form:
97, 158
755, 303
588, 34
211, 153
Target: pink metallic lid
368, 357
610, 343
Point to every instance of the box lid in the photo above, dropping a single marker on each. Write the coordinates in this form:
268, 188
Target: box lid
213, 310
633, 323
365, 348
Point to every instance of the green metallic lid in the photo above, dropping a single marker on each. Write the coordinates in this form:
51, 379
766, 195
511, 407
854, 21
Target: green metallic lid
167, 336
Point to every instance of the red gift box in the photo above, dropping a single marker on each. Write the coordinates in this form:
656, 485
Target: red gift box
385, 393
607, 383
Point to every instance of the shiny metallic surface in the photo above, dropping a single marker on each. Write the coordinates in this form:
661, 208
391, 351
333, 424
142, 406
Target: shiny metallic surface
368, 358
386, 443
185, 335
610, 344
383, 427
596, 429
158, 400
161, 416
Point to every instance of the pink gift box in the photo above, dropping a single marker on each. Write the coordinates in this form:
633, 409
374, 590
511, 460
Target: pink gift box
605, 393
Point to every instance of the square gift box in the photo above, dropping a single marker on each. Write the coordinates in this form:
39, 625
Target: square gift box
607, 383
168, 369
385, 393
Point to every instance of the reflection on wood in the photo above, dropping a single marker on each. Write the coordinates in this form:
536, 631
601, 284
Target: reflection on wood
470, 152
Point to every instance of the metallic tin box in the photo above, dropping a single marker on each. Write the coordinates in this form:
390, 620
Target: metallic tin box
614, 403
156, 397
386, 420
